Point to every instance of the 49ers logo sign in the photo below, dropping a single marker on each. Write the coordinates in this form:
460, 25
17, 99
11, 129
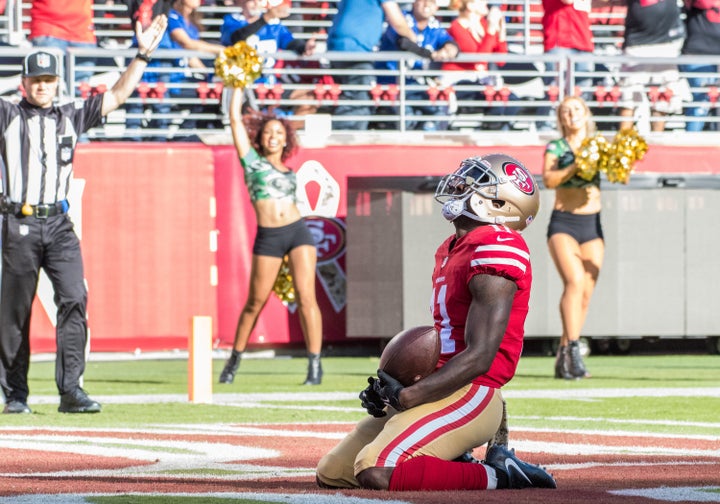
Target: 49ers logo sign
520, 177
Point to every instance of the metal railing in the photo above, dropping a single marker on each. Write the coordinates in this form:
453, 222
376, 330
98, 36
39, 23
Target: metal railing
518, 94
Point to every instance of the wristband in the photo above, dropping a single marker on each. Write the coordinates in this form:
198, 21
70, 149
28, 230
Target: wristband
146, 58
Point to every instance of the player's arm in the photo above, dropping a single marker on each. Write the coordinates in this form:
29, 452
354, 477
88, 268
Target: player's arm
553, 176
239, 133
487, 319
147, 40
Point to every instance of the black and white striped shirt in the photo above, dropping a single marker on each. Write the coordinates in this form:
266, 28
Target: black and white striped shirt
37, 147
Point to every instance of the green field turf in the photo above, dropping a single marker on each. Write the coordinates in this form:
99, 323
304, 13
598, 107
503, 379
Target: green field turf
660, 394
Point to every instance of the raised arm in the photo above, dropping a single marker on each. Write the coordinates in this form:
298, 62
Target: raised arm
184, 40
239, 133
394, 17
147, 40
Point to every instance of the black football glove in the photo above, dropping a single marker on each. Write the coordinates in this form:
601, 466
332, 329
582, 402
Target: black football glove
388, 388
371, 401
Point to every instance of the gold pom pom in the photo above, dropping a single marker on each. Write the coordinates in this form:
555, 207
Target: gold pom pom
283, 287
591, 157
627, 148
238, 65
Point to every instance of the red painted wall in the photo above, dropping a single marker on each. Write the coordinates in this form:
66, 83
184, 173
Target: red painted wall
148, 212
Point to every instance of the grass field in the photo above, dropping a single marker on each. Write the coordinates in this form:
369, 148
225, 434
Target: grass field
653, 393
655, 417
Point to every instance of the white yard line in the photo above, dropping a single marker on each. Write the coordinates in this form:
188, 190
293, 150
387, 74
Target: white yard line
261, 497
269, 397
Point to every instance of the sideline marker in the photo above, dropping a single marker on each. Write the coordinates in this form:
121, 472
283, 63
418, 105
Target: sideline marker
200, 361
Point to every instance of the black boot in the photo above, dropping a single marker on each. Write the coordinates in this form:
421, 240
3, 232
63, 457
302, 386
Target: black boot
315, 372
577, 366
231, 367
562, 363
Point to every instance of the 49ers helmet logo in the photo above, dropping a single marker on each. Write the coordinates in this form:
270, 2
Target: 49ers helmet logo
520, 177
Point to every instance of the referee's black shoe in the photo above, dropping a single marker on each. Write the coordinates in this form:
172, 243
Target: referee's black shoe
16, 406
78, 401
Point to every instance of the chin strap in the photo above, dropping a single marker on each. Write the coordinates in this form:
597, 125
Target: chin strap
452, 209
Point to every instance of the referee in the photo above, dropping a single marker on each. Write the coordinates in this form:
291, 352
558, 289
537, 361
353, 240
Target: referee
37, 145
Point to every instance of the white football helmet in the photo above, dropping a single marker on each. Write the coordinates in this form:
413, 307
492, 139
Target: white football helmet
496, 189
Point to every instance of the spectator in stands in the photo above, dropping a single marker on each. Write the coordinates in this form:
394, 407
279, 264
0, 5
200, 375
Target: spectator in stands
262, 29
157, 75
566, 32
702, 21
357, 27
184, 27
652, 29
434, 44
478, 29
63, 24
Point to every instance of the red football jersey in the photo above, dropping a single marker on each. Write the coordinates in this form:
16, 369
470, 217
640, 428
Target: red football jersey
486, 250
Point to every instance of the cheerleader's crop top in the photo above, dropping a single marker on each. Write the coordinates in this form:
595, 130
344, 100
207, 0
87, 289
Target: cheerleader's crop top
264, 181
566, 157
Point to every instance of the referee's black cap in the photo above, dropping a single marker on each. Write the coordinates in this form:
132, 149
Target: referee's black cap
40, 63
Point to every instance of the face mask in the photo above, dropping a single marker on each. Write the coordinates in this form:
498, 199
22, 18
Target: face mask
452, 209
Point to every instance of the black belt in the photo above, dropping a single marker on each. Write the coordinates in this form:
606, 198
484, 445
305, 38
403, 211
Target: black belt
39, 211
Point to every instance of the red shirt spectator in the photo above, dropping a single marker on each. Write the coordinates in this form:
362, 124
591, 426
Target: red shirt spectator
476, 30
566, 23
70, 20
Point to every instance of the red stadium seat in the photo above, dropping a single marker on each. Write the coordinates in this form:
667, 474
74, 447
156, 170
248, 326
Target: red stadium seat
600, 94
653, 94
99, 89
143, 89
277, 91
202, 91
504, 94
489, 93
158, 91
84, 89
553, 92
392, 92
215, 92
376, 92
327, 92
713, 94
446, 93
261, 90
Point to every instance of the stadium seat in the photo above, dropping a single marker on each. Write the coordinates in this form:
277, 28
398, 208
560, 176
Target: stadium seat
84, 89
600, 94
489, 92
713, 94
553, 92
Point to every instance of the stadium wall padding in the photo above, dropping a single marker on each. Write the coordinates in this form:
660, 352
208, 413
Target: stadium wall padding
167, 233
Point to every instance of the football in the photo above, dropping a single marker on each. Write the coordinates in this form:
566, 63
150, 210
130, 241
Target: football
411, 354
